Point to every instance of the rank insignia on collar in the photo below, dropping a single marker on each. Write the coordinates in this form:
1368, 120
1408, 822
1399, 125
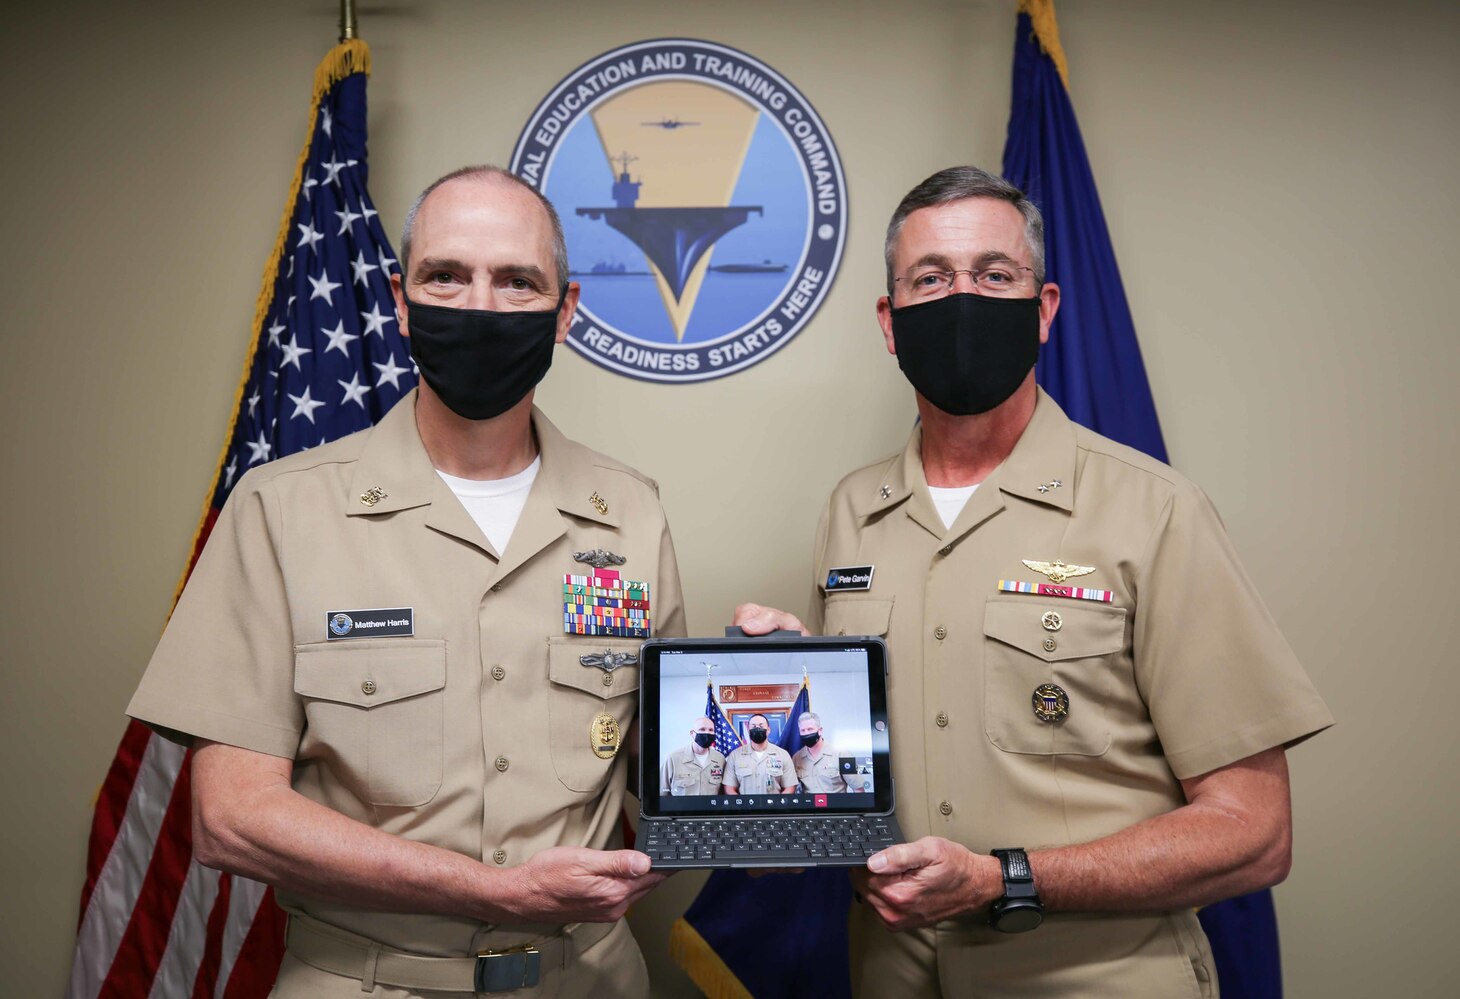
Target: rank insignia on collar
599, 558
598, 504
886, 491
1051, 484
609, 661
1058, 571
372, 495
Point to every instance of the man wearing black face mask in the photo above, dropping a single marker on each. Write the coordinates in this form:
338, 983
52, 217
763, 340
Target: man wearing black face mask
759, 766
408, 659
818, 768
1079, 666
698, 768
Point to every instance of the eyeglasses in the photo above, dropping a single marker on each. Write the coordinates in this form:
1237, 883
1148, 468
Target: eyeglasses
996, 279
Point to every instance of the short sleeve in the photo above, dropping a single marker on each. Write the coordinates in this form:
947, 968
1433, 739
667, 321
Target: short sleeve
1220, 681
224, 669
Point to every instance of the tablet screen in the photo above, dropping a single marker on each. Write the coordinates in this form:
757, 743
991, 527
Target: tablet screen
764, 726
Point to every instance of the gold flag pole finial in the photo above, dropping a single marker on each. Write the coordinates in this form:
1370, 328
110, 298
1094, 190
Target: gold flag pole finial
1041, 14
347, 21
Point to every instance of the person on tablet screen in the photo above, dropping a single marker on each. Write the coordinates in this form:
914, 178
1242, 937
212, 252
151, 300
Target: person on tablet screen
760, 766
698, 768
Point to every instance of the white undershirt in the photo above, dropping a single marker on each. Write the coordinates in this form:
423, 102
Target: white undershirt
950, 502
703, 759
495, 504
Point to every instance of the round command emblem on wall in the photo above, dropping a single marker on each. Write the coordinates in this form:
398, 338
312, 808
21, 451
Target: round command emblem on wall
703, 204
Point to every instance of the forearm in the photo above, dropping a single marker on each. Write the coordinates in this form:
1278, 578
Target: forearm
1213, 848
267, 831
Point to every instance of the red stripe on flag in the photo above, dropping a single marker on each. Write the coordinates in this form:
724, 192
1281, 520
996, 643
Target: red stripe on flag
258, 961
145, 940
111, 806
207, 977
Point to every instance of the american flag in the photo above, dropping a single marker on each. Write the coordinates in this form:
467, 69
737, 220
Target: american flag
326, 358
726, 741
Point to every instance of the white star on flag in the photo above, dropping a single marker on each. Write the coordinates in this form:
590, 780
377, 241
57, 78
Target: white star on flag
339, 339
309, 184
389, 372
370, 213
229, 471
329, 122
362, 269
274, 332
322, 286
346, 217
304, 405
259, 450
354, 391
293, 352
253, 401
308, 235
333, 168
375, 320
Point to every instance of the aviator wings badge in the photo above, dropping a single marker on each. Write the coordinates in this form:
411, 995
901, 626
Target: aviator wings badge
1058, 571
599, 558
610, 660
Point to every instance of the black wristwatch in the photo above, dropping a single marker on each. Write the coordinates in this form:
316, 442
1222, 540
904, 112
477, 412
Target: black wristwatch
1020, 909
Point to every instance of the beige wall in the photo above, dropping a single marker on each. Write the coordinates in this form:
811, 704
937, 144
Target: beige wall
1280, 184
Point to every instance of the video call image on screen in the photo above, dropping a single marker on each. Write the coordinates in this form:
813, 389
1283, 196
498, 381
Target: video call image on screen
816, 759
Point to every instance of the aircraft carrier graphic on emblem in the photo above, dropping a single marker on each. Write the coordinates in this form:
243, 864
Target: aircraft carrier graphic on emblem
673, 238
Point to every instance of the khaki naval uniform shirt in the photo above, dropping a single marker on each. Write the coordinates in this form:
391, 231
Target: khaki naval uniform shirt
682, 774
821, 775
768, 775
473, 733
1184, 671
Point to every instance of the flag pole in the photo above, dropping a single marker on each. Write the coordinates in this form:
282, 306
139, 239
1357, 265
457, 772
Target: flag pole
347, 20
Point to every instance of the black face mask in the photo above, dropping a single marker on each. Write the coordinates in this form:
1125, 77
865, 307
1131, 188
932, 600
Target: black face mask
811, 740
758, 735
481, 363
967, 353
704, 739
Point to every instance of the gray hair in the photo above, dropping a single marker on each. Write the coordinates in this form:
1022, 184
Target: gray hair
486, 171
809, 714
956, 184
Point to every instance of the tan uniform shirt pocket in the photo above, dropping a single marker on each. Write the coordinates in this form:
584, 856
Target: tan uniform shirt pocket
855, 615
373, 715
580, 694
1022, 652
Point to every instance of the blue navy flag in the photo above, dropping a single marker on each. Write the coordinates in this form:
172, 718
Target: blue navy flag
1092, 367
719, 941
790, 739
1092, 362
325, 358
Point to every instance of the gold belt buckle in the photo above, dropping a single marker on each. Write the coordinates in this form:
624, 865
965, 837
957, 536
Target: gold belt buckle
508, 970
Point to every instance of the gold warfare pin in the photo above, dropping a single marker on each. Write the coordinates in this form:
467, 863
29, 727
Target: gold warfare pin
1058, 571
603, 736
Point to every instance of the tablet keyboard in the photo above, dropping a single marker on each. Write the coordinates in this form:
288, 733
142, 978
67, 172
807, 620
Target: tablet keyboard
831, 841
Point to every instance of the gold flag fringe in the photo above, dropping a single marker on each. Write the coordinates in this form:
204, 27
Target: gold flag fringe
1041, 13
706, 968
343, 60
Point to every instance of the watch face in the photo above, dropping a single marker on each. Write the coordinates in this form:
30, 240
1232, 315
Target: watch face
1019, 918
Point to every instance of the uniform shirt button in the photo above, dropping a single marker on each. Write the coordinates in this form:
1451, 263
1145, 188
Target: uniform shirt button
940, 633
368, 687
498, 672
1050, 645
945, 549
942, 719
945, 808
503, 763
496, 587
608, 679
841, 631
499, 856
